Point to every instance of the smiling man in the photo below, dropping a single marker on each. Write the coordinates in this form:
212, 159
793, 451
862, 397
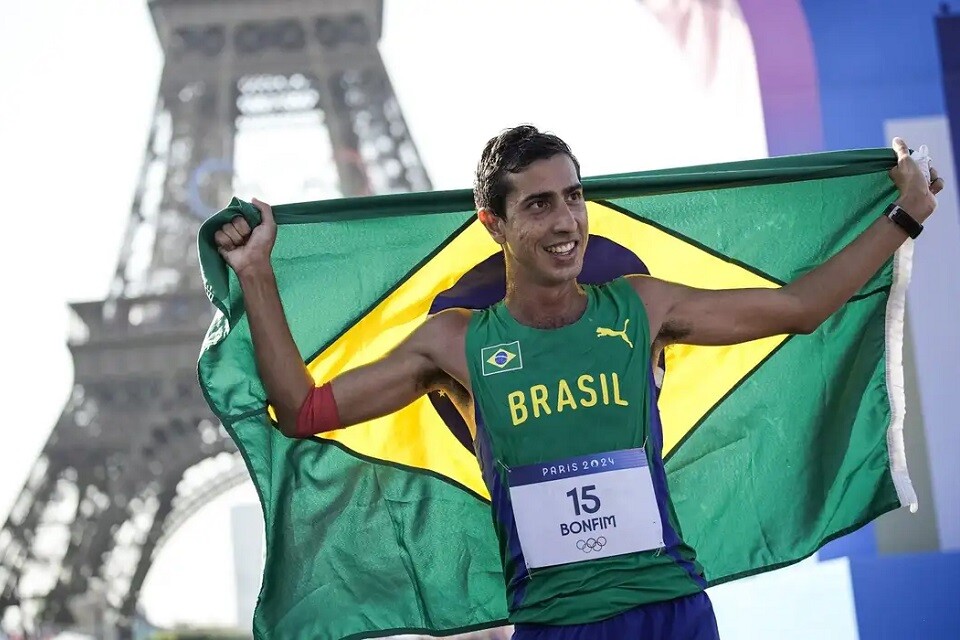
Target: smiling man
555, 382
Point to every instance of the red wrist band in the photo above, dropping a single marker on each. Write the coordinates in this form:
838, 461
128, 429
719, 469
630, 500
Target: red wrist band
318, 413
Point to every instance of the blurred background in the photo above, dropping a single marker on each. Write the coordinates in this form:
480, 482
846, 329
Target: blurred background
125, 509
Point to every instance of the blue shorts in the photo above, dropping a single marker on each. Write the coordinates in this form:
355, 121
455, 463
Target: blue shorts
687, 618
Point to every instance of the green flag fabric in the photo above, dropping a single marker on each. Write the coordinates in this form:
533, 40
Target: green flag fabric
772, 448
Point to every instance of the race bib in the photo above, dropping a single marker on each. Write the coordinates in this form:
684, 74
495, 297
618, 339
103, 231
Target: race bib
582, 508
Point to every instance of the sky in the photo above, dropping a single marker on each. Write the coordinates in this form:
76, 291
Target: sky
80, 81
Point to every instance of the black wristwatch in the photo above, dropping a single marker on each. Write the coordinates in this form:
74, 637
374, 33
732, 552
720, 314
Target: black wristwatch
903, 220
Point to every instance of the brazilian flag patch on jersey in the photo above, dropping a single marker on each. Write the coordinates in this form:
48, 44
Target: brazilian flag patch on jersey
500, 358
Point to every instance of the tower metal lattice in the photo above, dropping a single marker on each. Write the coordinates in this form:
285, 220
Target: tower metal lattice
136, 450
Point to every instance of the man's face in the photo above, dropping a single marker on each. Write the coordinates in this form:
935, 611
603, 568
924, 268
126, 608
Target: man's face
545, 231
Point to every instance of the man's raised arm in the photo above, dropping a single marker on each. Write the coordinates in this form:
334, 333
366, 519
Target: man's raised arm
680, 314
302, 408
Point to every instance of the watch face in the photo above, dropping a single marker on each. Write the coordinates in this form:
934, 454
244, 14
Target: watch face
905, 221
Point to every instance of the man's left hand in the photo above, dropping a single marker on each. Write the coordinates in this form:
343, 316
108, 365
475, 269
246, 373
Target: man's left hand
917, 196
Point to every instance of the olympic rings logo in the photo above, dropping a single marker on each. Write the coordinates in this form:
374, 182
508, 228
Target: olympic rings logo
591, 544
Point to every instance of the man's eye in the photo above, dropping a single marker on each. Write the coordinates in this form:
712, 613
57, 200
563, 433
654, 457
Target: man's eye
538, 204
576, 196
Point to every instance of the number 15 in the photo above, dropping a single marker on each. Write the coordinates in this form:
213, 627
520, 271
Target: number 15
586, 499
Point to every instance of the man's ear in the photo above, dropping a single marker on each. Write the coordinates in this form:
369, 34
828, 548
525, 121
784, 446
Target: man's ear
493, 223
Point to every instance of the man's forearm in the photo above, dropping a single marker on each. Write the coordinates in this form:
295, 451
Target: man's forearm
822, 291
284, 375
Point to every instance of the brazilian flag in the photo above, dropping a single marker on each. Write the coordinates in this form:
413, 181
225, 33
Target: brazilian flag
772, 448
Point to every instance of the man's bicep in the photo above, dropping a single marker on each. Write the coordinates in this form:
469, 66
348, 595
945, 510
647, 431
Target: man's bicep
385, 385
731, 316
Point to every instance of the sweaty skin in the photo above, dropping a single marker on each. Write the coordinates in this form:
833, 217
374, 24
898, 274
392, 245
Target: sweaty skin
543, 236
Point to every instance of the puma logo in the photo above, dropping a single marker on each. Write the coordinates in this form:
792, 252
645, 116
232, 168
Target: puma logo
603, 331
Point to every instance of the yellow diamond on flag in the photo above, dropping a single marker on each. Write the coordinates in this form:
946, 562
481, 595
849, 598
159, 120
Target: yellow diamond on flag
697, 379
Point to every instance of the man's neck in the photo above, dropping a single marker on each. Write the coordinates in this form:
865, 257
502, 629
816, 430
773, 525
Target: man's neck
545, 307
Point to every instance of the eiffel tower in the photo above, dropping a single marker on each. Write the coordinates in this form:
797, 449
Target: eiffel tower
136, 451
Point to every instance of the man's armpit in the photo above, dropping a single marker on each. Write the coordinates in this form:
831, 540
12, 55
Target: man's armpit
673, 331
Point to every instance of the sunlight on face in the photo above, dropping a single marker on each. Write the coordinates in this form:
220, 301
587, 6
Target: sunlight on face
546, 222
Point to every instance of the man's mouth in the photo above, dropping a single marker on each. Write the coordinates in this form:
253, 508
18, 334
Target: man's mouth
562, 249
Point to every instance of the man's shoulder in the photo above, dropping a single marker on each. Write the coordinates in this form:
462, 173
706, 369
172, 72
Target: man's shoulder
449, 323
639, 282
642, 283
442, 337
651, 292
636, 279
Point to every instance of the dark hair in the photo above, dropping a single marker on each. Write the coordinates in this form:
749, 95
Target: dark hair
511, 152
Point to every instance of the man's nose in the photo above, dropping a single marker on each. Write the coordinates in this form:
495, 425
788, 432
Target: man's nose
564, 219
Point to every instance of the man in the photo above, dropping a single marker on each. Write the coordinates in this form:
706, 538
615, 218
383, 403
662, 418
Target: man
582, 404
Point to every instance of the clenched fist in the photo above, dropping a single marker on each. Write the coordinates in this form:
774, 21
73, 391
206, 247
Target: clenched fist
917, 196
244, 248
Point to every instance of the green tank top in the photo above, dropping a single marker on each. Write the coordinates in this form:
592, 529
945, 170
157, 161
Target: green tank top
548, 403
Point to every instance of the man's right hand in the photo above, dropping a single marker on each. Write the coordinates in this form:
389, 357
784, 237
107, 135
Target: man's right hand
244, 248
